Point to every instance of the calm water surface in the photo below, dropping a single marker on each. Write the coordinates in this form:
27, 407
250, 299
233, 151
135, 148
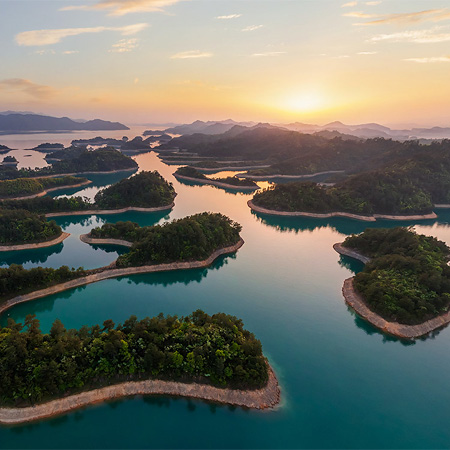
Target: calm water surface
344, 385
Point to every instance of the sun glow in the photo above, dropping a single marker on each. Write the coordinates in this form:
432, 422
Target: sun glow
304, 102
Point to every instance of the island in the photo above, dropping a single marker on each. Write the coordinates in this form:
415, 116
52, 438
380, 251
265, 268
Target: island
23, 230
146, 192
404, 289
48, 147
10, 161
189, 243
22, 188
200, 356
4, 149
191, 174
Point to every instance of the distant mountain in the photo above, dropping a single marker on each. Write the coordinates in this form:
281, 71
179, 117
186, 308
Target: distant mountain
210, 127
18, 123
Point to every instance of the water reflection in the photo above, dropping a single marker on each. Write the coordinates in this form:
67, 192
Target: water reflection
35, 256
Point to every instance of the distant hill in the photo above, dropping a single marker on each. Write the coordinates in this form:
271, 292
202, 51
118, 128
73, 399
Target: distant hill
18, 123
210, 127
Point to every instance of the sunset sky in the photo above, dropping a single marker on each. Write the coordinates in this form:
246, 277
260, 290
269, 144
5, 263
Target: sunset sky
158, 61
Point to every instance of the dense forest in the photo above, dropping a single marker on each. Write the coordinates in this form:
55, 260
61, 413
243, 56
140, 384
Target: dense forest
197, 348
408, 278
21, 187
47, 205
23, 227
146, 189
192, 238
188, 171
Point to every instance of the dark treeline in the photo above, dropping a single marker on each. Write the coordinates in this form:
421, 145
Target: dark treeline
206, 349
46, 205
408, 279
188, 171
192, 238
146, 189
24, 227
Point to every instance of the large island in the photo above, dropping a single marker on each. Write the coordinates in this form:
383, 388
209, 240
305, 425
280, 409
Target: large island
404, 289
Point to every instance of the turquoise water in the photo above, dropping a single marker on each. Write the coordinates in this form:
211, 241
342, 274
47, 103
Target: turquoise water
344, 384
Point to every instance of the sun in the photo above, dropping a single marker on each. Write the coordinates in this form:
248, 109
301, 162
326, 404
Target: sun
304, 102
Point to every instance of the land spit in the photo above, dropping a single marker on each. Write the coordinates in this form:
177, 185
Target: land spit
111, 271
13, 248
286, 177
264, 398
216, 183
371, 218
355, 300
87, 239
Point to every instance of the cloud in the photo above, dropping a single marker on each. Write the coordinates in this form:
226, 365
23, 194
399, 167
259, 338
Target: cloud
70, 52
268, 54
231, 16
349, 4
38, 91
191, 54
435, 59
359, 15
49, 37
122, 7
430, 36
252, 27
430, 15
367, 53
125, 45
373, 3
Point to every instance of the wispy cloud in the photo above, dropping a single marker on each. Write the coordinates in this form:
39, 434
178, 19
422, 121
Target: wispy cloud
230, 16
191, 54
430, 36
268, 54
434, 59
359, 15
349, 4
122, 7
430, 15
252, 27
27, 87
49, 37
125, 45
70, 52
367, 53
373, 3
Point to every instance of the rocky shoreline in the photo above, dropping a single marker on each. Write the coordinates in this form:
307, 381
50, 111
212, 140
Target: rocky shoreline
265, 398
355, 300
216, 183
100, 241
111, 271
89, 212
13, 248
371, 218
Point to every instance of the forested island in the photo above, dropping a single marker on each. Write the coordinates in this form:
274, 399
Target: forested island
145, 191
25, 187
191, 174
406, 281
10, 161
24, 227
48, 147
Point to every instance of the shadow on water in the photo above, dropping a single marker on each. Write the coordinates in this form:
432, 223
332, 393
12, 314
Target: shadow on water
35, 256
351, 264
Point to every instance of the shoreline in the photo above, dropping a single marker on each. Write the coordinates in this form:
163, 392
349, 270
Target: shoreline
265, 398
46, 191
356, 301
287, 177
216, 183
104, 273
89, 212
18, 247
107, 172
101, 241
228, 168
371, 218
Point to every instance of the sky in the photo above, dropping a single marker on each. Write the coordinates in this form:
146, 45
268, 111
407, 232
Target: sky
161, 61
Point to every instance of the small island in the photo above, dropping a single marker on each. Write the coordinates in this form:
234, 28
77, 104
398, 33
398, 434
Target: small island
48, 147
146, 192
191, 174
10, 161
37, 187
4, 149
22, 230
189, 243
404, 289
200, 356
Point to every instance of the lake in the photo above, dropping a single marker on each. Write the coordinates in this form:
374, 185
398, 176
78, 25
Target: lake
344, 384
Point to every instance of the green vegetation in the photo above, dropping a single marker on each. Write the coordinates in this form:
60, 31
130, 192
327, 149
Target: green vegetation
192, 238
188, 171
408, 279
47, 205
207, 349
146, 189
191, 172
10, 160
23, 227
21, 187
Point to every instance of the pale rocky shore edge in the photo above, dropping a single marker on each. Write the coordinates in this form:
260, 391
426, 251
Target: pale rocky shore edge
372, 218
286, 177
265, 398
43, 193
13, 248
87, 239
98, 172
357, 303
89, 212
229, 168
216, 183
110, 271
